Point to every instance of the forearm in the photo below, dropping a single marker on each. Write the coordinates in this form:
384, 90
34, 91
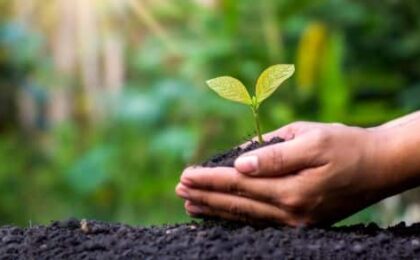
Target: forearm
398, 152
400, 122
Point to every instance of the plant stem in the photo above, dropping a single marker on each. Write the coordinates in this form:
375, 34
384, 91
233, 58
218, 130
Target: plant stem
257, 124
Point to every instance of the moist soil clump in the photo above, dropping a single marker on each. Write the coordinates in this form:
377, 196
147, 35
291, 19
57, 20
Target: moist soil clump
75, 239
227, 158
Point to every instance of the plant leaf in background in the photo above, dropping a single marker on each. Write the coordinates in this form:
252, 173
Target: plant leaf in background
271, 79
310, 54
334, 94
230, 88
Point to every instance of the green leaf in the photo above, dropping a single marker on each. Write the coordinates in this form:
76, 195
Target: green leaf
271, 79
230, 88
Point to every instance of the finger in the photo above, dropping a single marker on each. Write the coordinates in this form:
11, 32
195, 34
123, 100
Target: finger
228, 180
285, 133
195, 210
234, 205
278, 159
201, 211
288, 132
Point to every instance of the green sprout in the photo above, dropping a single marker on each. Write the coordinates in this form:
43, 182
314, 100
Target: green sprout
269, 80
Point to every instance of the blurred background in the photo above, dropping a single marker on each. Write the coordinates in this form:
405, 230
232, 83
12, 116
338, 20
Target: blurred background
104, 102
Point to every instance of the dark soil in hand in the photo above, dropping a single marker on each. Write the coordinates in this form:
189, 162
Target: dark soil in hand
227, 158
74, 239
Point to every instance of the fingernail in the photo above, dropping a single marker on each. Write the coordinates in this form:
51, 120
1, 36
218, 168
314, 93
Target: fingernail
187, 175
247, 164
181, 190
186, 181
194, 209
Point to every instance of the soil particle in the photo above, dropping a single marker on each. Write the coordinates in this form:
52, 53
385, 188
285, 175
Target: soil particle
210, 239
226, 159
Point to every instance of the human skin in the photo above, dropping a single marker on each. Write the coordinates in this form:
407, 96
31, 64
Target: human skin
322, 173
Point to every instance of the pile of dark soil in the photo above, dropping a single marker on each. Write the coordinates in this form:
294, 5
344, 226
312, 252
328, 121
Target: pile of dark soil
74, 239
227, 158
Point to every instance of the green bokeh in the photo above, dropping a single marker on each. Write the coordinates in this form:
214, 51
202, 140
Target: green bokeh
125, 168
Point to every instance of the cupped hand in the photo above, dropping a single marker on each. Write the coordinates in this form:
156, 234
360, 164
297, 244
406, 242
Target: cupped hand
319, 175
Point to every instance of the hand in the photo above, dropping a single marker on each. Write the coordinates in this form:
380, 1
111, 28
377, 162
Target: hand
321, 174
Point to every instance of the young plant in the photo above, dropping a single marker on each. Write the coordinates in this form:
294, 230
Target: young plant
232, 89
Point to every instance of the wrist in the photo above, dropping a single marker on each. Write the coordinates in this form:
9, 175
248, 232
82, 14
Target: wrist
395, 162
375, 182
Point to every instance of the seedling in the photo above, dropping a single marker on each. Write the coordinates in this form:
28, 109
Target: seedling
269, 80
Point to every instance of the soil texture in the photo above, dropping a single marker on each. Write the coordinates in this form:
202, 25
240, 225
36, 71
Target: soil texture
227, 158
75, 239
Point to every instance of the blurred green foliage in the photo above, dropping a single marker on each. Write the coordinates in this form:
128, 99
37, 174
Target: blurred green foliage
358, 65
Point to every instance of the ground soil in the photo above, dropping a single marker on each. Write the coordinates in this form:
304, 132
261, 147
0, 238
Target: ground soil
75, 239
227, 158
